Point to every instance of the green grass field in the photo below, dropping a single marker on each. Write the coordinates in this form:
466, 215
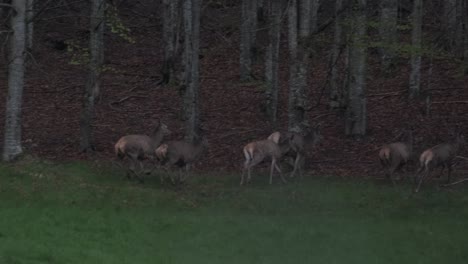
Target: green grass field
82, 213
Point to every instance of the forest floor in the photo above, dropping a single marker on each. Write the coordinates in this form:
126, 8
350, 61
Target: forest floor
77, 212
231, 111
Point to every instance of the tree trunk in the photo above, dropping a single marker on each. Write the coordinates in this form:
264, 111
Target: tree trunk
171, 14
449, 23
415, 75
92, 88
12, 142
460, 31
336, 93
356, 111
272, 60
388, 32
465, 37
315, 5
192, 47
299, 46
248, 33
29, 23
293, 63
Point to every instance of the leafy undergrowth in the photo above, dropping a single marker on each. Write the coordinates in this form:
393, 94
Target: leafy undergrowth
82, 213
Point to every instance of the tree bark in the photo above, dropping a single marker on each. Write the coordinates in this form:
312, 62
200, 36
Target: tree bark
92, 87
300, 42
171, 14
272, 60
248, 33
293, 114
29, 24
356, 111
12, 142
449, 23
465, 37
315, 5
336, 93
388, 32
416, 35
192, 79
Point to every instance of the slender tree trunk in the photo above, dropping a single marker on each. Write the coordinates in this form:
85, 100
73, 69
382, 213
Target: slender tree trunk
416, 35
92, 88
356, 111
336, 94
192, 79
315, 5
272, 60
248, 33
388, 32
449, 23
29, 24
460, 31
171, 14
300, 46
465, 37
12, 141
293, 63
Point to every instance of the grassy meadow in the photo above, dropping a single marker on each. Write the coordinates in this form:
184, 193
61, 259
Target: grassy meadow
86, 213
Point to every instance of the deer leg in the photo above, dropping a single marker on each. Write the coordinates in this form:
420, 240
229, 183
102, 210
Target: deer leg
246, 167
296, 163
449, 172
280, 173
421, 178
391, 171
272, 170
187, 172
441, 171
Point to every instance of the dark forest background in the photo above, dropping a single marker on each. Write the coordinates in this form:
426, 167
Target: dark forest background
140, 82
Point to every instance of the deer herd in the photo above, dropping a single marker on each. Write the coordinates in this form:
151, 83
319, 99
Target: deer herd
288, 146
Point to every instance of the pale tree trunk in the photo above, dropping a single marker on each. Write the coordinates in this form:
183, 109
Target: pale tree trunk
299, 30
12, 141
192, 78
416, 35
388, 32
272, 60
30, 24
356, 111
248, 33
293, 63
171, 14
92, 87
336, 93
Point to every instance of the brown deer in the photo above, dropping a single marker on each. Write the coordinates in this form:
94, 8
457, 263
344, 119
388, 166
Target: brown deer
298, 144
138, 148
442, 155
395, 155
258, 151
181, 154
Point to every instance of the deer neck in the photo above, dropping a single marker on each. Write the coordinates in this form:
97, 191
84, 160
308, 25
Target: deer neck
157, 137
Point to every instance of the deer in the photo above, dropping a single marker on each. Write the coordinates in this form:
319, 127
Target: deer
181, 154
298, 144
395, 155
258, 151
442, 155
138, 148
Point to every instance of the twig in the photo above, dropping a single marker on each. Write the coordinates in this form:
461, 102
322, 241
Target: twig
450, 102
238, 133
389, 93
454, 183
